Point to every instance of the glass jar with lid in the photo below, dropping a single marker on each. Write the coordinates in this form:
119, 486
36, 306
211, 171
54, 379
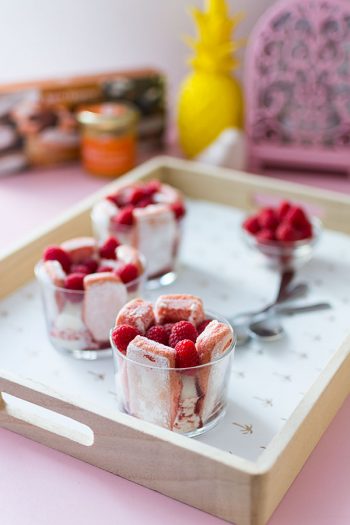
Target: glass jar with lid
108, 138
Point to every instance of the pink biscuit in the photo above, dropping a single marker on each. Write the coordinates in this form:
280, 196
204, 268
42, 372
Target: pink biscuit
153, 392
128, 254
137, 313
213, 341
211, 344
155, 234
104, 296
55, 273
80, 248
177, 307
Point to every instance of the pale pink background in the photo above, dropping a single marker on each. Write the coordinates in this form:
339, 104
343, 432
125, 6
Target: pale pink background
40, 39
39, 486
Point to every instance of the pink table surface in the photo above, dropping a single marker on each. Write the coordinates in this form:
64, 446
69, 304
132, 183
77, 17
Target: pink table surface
42, 486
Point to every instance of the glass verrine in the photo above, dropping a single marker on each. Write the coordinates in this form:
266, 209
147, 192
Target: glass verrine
189, 401
160, 247
66, 319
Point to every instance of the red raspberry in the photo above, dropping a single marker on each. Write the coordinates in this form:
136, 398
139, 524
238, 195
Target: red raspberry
145, 202
91, 264
158, 333
305, 232
122, 335
113, 199
296, 217
79, 268
56, 253
265, 235
182, 330
124, 216
202, 326
186, 354
179, 209
283, 209
251, 224
286, 233
136, 195
267, 219
128, 272
107, 250
74, 281
168, 327
152, 187
87, 266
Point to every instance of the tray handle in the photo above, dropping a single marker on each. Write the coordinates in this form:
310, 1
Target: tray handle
27, 410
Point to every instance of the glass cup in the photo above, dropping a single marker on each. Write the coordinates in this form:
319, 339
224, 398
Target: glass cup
160, 272
64, 313
189, 401
282, 256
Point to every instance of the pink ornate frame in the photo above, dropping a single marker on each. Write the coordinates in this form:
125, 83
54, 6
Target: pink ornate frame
297, 83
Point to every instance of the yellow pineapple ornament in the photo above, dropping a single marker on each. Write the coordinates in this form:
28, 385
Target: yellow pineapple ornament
210, 98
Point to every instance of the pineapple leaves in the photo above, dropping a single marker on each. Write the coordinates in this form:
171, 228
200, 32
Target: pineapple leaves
214, 49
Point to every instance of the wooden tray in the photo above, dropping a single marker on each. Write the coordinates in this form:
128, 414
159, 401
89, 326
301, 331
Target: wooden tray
221, 482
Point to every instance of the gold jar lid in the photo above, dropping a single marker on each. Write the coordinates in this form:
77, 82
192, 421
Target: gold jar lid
108, 116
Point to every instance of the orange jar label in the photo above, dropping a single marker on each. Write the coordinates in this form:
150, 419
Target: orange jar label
108, 155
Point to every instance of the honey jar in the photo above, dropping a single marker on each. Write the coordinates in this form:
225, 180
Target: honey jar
108, 138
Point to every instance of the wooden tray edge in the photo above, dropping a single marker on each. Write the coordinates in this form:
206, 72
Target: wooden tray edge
259, 479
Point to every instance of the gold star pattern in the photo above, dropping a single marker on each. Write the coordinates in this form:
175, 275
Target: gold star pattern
265, 401
285, 377
245, 429
98, 376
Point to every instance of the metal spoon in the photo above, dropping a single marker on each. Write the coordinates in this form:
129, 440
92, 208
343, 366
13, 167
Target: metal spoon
298, 291
240, 321
267, 326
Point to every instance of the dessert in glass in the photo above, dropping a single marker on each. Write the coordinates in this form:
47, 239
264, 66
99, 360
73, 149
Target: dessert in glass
83, 286
172, 363
147, 216
284, 236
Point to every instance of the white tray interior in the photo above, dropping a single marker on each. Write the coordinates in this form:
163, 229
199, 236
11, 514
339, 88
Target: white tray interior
268, 380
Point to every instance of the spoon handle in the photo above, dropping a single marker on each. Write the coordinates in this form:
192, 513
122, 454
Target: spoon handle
291, 310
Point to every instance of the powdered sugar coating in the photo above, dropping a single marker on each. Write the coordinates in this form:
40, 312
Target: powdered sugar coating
153, 393
137, 313
179, 307
105, 295
156, 232
213, 341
